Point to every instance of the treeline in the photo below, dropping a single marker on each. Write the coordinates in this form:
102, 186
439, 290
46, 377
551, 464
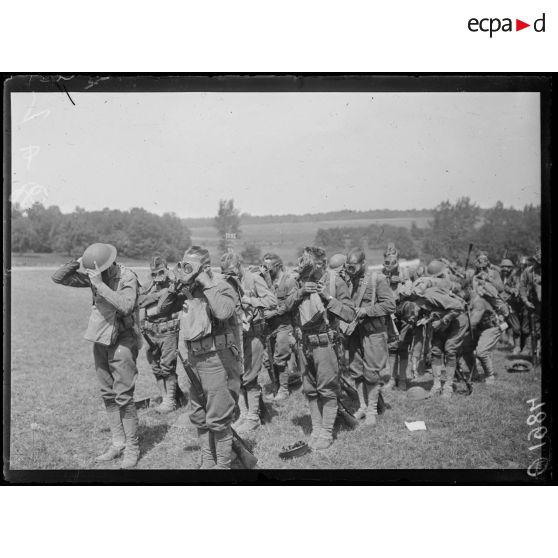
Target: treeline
500, 231
135, 233
344, 214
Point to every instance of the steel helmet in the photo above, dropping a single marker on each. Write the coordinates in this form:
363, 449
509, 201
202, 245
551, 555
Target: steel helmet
102, 254
417, 393
336, 261
435, 267
157, 262
506, 263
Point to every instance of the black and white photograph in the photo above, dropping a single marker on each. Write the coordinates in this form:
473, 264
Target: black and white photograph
282, 276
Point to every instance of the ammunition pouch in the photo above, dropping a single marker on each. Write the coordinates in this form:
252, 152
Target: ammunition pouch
319, 339
162, 328
212, 344
257, 328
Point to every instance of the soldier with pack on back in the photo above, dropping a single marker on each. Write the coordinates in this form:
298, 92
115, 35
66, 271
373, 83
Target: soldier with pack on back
447, 320
160, 329
317, 311
210, 336
373, 301
114, 331
255, 297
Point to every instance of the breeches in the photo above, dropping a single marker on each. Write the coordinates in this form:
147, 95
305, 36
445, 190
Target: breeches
321, 372
219, 375
368, 356
164, 366
449, 340
253, 360
116, 369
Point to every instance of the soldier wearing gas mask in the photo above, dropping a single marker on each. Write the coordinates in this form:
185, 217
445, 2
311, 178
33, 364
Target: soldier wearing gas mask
255, 297
374, 301
210, 335
279, 322
160, 330
318, 311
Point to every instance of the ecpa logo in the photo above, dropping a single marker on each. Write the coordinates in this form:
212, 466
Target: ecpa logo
492, 25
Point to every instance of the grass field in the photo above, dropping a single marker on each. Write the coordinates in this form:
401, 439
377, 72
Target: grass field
286, 238
58, 420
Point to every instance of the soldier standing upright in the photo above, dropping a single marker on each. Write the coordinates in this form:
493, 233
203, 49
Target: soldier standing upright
255, 297
161, 332
317, 313
373, 301
210, 333
114, 331
530, 292
510, 295
279, 322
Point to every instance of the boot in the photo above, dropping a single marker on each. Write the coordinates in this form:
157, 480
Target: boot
447, 392
130, 423
283, 391
361, 411
243, 408
402, 373
329, 414
223, 448
488, 368
207, 449
316, 419
117, 431
437, 374
372, 408
169, 399
516, 344
252, 419
162, 389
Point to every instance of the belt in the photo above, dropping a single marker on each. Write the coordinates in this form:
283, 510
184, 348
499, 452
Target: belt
211, 344
318, 339
160, 328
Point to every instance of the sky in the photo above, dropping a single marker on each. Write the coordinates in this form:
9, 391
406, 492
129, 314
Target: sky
274, 153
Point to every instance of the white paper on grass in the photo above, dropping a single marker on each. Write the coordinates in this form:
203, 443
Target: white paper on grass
416, 425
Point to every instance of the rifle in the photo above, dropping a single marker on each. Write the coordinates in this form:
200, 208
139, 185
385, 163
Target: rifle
271, 369
468, 256
247, 458
461, 377
153, 349
346, 415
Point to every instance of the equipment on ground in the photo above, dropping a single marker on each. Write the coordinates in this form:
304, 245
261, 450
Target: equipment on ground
297, 449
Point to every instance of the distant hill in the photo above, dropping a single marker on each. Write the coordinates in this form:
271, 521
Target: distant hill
342, 215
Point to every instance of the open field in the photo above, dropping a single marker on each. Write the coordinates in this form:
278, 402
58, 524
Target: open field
58, 420
286, 238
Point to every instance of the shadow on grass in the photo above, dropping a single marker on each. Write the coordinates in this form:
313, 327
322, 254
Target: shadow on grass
304, 422
150, 436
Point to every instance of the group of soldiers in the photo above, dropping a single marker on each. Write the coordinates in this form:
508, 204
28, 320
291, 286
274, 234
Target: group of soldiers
342, 328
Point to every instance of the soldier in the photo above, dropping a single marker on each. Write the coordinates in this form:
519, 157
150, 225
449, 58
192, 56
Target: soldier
317, 311
510, 295
114, 331
210, 333
279, 322
448, 325
483, 336
368, 348
397, 363
255, 297
530, 292
161, 332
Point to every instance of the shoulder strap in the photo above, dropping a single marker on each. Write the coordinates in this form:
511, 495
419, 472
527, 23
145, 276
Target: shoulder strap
362, 290
332, 277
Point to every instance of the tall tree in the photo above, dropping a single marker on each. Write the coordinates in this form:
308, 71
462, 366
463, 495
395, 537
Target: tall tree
227, 223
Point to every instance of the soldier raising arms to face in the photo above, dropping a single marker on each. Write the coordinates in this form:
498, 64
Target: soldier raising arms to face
113, 330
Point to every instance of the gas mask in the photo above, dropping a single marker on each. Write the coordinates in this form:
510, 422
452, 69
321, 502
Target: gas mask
159, 276
309, 269
188, 270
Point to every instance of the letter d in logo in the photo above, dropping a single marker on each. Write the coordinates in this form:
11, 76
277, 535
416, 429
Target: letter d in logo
539, 24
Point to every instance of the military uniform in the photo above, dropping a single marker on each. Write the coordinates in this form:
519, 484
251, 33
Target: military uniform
113, 330
317, 334
530, 292
448, 328
161, 328
368, 345
210, 335
279, 328
254, 296
483, 337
